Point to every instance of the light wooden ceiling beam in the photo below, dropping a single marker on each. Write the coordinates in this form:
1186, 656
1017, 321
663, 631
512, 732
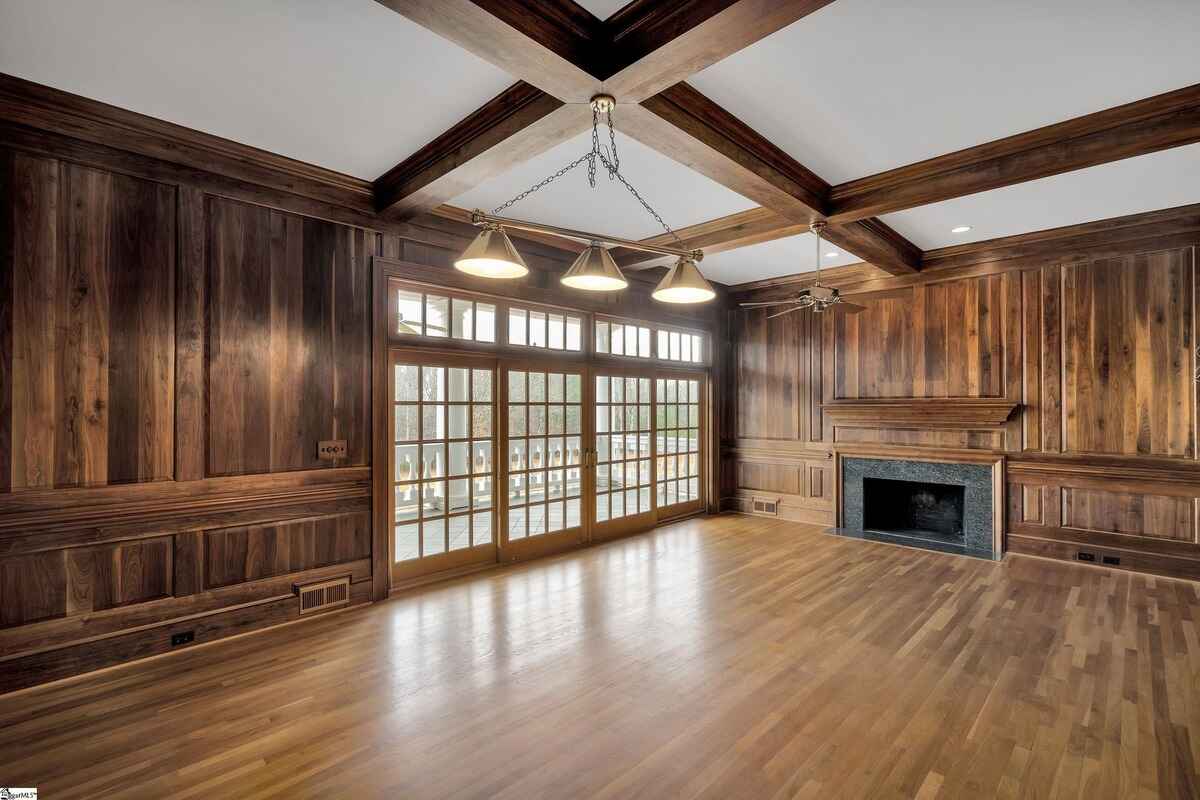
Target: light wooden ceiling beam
1146, 126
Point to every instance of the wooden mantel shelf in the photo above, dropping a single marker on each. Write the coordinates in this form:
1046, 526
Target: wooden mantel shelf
958, 413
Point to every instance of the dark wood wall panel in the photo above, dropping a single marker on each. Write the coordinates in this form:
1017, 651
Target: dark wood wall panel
82, 580
237, 555
768, 377
288, 339
89, 346
930, 340
1129, 369
1156, 516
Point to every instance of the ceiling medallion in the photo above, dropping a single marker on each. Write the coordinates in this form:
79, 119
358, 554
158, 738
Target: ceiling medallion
493, 255
818, 297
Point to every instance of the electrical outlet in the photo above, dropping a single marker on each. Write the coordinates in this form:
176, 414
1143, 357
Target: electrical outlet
183, 637
1082, 556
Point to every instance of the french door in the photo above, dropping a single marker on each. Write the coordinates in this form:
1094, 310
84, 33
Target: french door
622, 463
503, 459
442, 463
546, 444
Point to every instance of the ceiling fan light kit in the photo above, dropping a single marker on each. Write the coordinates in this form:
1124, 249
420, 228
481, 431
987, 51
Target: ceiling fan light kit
492, 254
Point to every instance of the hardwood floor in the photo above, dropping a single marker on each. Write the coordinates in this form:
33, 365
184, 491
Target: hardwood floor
727, 657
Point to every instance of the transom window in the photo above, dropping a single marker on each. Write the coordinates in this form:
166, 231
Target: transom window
680, 346
549, 330
622, 339
443, 316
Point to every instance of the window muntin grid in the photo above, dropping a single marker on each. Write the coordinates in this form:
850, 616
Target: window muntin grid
548, 330
545, 450
677, 440
441, 316
622, 447
679, 346
622, 339
443, 472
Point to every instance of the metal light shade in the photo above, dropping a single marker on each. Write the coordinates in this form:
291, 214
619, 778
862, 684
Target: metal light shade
492, 255
684, 284
595, 271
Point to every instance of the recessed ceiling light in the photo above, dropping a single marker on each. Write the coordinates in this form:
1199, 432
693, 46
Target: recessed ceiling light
832, 255
961, 229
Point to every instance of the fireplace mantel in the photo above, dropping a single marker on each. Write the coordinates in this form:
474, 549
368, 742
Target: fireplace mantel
946, 413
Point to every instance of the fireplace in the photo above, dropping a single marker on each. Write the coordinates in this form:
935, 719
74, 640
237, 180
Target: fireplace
936, 505
916, 508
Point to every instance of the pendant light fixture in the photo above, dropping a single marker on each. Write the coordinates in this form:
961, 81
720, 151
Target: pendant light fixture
595, 271
493, 255
683, 283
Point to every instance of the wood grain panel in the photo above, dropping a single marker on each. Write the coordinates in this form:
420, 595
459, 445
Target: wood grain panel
768, 377
288, 333
32, 588
1129, 367
90, 260
930, 340
1155, 516
237, 555
783, 478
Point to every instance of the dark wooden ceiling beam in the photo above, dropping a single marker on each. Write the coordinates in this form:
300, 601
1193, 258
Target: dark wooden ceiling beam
742, 229
515, 126
1156, 123
551, 44
682, 123
652, 45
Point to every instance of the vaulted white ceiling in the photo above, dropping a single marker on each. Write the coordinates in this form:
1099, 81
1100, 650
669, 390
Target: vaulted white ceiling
862, 86
681, 196
345, 84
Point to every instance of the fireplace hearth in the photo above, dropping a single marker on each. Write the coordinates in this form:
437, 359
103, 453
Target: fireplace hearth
935, 505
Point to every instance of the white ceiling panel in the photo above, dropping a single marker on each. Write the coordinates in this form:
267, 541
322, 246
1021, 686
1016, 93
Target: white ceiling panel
1159, 180
681, 196
788, 256
863, 86
346, 84
603, 9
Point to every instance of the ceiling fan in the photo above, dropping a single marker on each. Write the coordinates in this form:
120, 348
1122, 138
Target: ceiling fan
818, 297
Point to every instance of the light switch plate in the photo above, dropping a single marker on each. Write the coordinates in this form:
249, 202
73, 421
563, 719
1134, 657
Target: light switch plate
331, 449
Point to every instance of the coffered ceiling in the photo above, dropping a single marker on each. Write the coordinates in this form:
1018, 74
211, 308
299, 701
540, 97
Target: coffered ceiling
792, 105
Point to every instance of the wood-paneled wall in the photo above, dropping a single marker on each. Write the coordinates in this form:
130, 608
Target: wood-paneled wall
182, 319
163, 350
1095, 352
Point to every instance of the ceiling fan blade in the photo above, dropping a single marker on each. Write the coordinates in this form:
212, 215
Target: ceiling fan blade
847, 308
781, 313
767, 303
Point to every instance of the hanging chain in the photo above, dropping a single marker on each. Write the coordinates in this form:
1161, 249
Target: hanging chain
611, 165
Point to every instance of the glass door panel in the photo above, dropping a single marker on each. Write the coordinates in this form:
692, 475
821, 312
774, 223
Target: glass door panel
677, 445
543, 459
623, 501
442, 468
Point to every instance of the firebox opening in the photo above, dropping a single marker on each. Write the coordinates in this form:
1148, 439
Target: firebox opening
922, 509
